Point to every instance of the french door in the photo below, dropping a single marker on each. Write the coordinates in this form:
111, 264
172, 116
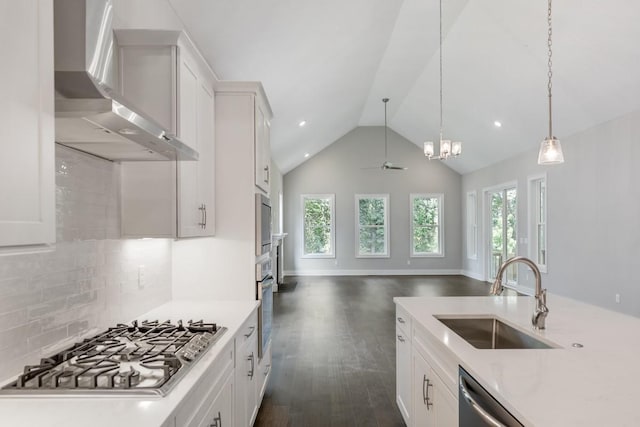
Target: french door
502, 240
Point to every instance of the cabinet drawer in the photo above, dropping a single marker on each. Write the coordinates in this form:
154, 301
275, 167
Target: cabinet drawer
248, 330
199, 399
403, 321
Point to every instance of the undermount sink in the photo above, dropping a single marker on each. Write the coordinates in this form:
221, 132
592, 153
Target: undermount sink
491, 333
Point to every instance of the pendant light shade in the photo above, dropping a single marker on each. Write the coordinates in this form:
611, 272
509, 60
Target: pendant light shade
550, 152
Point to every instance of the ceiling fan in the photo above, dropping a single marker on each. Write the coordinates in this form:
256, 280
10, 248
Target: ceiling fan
386, 165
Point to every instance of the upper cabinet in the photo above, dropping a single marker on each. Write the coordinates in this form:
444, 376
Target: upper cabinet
246, 127
262, 149
27, 179
163, 74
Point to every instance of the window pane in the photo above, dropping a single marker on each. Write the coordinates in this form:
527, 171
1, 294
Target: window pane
372, 230
426, 239
317, 226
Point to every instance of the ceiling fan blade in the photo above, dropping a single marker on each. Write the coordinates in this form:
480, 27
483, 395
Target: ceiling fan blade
397, 168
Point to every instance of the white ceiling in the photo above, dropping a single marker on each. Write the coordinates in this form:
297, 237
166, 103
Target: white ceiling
330, 62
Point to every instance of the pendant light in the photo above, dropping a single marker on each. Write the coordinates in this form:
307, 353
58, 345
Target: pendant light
550, 148
447, 147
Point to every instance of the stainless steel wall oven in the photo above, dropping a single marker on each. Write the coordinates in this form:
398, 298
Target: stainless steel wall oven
263, 225
264, 292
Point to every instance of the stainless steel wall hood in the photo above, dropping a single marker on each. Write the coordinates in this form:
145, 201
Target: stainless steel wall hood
90, 115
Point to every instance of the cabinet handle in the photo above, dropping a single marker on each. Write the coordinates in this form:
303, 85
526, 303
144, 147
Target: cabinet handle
203, 216
217, 421
400, 338
251, 330
266, 169
251, 359
401, 320
266, 371
425, 392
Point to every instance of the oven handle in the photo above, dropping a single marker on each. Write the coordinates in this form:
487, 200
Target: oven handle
267, 283
476, 406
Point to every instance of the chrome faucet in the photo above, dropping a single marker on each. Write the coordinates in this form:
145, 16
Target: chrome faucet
541, 311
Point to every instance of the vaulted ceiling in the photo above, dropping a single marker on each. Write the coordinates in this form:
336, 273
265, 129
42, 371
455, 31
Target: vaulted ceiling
330, 62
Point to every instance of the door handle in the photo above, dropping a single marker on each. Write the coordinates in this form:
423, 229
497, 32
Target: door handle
476, 406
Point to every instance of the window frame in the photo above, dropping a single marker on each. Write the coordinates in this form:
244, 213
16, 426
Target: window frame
331, 198
440, 225
533, 218
472, 224
385, 198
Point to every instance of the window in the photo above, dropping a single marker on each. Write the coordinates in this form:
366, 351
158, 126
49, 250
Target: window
472, 225
372, 218
538, 221
318, 225
426, 225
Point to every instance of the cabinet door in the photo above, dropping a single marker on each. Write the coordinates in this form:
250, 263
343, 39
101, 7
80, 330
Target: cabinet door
403, 375
446, 413
187, 99
246, 378
27, 180
423, 402
220, 413
196, 179
262, 149
433, 403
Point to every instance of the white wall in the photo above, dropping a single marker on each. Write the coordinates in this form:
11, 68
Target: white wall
338, 170
593, 213
89, 280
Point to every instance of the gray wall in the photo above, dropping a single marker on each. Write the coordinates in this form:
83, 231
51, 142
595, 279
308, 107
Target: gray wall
338, 170
593, 214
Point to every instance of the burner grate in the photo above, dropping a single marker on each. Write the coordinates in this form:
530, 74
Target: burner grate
144, 356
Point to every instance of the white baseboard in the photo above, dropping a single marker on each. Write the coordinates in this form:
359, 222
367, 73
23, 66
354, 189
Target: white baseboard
417, 272
473, 275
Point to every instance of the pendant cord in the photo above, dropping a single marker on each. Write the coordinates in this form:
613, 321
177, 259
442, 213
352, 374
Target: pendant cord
550, 73
441, 72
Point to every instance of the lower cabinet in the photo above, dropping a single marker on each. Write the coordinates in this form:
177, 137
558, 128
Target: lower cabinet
246, 373
220, 413
403, 374
433, 403
264, 371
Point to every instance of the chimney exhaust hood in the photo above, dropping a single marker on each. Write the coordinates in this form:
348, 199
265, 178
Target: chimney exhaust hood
90, 115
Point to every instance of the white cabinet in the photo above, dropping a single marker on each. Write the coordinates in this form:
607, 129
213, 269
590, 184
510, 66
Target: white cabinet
246, 374
27, 180
163, 74
220, 413
264, 372
403, 365
433, 403
426, 374
246, 105
262, 148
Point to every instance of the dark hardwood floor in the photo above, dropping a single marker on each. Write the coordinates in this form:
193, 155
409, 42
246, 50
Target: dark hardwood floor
334, 348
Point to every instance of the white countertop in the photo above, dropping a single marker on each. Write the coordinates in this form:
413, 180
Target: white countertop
146, 411
590, 386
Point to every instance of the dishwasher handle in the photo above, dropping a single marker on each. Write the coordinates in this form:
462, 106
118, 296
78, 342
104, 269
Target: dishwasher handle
476, 406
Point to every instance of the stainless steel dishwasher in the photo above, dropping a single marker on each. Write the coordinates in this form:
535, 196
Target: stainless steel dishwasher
477, 408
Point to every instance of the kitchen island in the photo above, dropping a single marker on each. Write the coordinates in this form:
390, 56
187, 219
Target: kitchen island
176, 408
592, 385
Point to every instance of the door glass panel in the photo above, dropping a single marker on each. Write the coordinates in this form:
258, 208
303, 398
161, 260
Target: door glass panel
497, 233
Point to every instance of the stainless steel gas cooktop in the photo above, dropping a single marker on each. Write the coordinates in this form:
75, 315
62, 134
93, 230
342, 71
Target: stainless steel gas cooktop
146, 357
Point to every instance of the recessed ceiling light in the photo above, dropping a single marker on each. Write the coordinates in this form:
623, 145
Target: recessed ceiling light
302, 123
497, 124
306, 155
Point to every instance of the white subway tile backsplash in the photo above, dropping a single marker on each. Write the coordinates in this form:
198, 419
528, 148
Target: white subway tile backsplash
89, 280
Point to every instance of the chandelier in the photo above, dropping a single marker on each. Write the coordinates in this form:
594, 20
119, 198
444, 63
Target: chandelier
447, 147
550, 149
